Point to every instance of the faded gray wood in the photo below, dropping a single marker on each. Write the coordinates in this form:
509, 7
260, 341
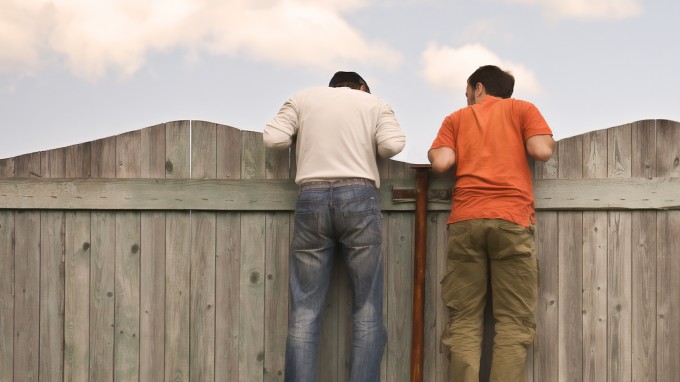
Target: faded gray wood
279, 195
227, 262
619, 262
668, 259
152, 264
546, 347
6, 291
643, 253
202, 290
177, 259
595, 266
278, 237
127, 267
52, 231
616, 258
102, 270
27, 281
570, 250
251, 321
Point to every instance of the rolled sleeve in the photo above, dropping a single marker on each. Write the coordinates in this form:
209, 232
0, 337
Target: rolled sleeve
390, 138
279, 132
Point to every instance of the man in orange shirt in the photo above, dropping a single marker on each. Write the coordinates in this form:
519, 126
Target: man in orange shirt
491, 226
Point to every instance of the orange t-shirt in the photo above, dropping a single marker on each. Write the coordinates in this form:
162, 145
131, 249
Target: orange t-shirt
493, 179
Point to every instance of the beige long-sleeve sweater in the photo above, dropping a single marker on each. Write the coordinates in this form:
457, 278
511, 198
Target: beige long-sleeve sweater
338, 133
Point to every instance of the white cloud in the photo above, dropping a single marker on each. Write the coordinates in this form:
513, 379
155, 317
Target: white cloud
587, 9
448, 68
94, 37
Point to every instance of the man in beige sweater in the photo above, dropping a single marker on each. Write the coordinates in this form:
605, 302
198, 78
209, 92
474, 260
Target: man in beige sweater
339, 131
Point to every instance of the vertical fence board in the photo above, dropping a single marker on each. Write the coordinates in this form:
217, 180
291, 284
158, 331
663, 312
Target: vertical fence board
27, 281
276, 294
570, 250
595, 266
438, 261
52, 277
77, 288
619, 298
127, 267
399, 295
102, 263
668, 258
152, 264
436, 313
177, 259
251, 342
399, 272
276, 268
643, 253
619, 263
77, 274
6, 282
227, 262
202, 291
546, 345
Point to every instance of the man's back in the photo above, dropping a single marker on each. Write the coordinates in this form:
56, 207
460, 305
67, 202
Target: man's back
493, 178
339, 132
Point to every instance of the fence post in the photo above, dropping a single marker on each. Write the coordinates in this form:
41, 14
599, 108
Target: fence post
418, 328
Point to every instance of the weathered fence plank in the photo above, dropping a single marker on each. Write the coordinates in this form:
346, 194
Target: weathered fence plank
52, 231
570, 252
643, 253
127, 267
594, 266
77, 274
27, 281
668, 259
102, 269
251, 341
202, 291
227, 263
619, 262
278, 236
7, 282
177, 260
152, 264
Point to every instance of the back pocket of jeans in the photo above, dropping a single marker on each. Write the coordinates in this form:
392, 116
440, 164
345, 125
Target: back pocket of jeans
306, 230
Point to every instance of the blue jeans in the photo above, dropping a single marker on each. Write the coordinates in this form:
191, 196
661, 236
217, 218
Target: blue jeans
346, 218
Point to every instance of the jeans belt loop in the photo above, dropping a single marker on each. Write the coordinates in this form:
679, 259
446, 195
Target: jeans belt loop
322, 185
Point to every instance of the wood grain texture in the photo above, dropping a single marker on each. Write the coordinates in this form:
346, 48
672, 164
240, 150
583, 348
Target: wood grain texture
52, 252
668, 258
202, 289
177, 259
570, 252
595, 265
27, 281
195, 210
152, 264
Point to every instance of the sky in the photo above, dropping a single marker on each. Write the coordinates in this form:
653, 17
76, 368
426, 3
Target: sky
73, 71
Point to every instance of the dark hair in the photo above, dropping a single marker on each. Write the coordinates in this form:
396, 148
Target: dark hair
496, 81
349, 79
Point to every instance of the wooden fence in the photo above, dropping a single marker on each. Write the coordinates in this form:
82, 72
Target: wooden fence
161, 255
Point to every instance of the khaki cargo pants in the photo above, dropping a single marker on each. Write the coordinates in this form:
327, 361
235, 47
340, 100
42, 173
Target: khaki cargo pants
505, 252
